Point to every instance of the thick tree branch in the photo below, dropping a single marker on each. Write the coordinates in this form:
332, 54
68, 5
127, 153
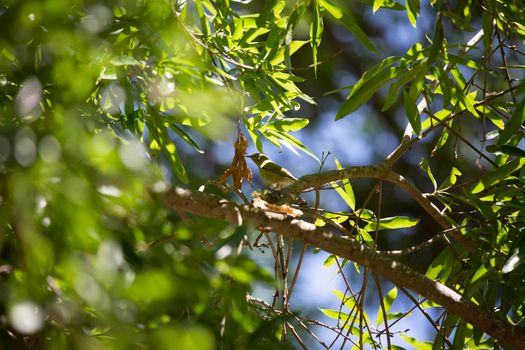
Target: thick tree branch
215, 207
384, 173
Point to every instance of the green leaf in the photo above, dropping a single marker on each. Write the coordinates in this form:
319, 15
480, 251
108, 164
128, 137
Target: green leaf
346, 299
394, 222
347, 193
367, 238
334, 10
459, 336
515, 260
416, 344
498, 175
437, 266
464, 61
176, 162
513, 126
377, 5
186, 137
443, 138
479, 274
451, 179
445, 84
270, 12
412, 7
366, 214
291, 141
288, 51
364, 92
124, 61
335, 314
316, 32
387, 303
403, 77
426, 168
330, 260
289, 124
412, 113
506, 149
437, 41
469, 101
385, 4
350, 23
255, 139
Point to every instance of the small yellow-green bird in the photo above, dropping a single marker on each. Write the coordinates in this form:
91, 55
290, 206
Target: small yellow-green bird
273, 175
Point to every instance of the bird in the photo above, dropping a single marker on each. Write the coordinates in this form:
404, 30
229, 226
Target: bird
273, 175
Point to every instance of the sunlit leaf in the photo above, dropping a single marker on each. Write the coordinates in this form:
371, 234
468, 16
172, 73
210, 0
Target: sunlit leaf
289, 124
387, 303
416, 344
451, 179
346, 192
426, 168
515, 260
394, 222
335, 314
412, 7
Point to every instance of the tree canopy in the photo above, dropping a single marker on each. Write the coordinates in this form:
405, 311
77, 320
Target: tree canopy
122, 226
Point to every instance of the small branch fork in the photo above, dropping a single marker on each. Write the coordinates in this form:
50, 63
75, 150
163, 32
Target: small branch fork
213, 206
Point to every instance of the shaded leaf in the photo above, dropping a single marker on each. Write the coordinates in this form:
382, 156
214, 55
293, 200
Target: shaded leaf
411, 112
345, 17
498, 175
506, 149
364, 92
124, 61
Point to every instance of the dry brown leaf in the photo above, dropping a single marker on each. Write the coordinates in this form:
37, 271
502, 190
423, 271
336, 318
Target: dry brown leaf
238, 169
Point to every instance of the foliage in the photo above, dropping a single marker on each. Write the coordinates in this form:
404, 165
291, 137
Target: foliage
101, 104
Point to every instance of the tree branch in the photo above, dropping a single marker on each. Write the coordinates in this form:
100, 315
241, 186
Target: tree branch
382, 172
215, 207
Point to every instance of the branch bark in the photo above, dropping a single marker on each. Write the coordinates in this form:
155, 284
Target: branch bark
215, 207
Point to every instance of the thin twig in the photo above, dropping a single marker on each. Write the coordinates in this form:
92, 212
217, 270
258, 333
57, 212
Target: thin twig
383, 310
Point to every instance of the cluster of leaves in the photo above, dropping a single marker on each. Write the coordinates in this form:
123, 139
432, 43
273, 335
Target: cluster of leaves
444, 90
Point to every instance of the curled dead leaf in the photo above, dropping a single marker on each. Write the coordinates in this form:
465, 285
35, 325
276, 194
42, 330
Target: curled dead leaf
238, 169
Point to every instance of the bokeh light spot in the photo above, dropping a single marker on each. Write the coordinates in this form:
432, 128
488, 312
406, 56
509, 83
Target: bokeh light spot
133, 155
26, 318
97, 19
28, 99
25, 147
49, 149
